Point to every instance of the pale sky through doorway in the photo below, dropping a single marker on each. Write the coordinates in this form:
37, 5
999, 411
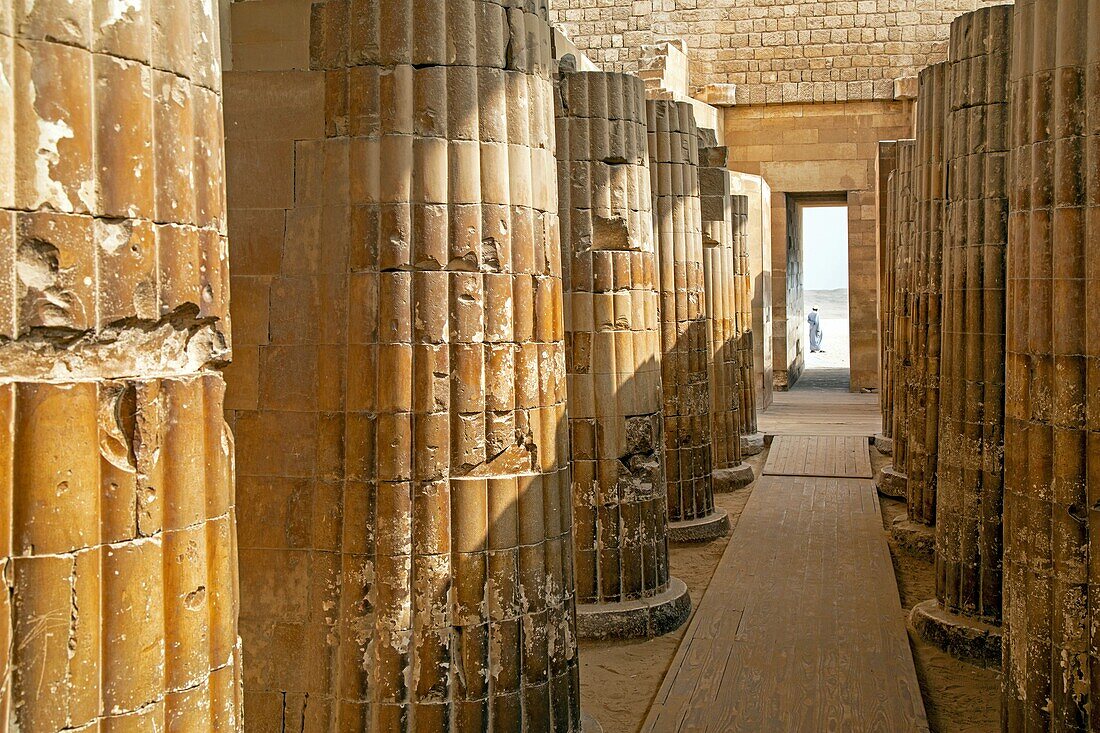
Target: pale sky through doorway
824, 247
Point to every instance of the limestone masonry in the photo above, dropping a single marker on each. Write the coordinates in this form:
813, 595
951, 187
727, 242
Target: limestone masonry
506, 303
685, 357
773, 51
613, 357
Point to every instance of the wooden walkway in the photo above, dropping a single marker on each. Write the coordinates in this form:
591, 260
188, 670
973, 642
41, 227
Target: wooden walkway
808, 455
822, 412
801, 629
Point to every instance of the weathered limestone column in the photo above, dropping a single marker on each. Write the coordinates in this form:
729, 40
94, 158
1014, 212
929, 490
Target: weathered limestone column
886, 164
752, 440
892, 479
613, 341
719, 271
965, 615
674, 176
411, 420
1050, 662
119, 610
922, 387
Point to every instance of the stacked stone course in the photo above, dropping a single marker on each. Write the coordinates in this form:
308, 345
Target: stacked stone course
892, 479
752, 440
774, 52
426, 527
116, 466
436, 564
1050, 661
967, 608
885, 196
925, 297
721, 286
674, 174
613, 358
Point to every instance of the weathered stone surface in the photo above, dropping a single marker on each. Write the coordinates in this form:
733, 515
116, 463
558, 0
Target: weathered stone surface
905, 87
922, 382
732, 478
721, 285
743, 319
891, 483
963, 637
714, 525
774, 51
119, 553
884, 445
885, 166
916, 538
674, 160
902, 231
640, 618
1051, 413
752, 444
405, 453
613, 358
970, 464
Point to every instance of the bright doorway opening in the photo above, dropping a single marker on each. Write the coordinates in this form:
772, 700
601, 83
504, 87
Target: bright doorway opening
824, 231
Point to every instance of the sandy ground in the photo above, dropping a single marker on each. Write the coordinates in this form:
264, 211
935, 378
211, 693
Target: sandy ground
833, 307
620, 678
958, 697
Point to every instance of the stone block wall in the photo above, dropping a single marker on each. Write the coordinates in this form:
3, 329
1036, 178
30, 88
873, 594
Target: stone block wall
774, 51
816, 149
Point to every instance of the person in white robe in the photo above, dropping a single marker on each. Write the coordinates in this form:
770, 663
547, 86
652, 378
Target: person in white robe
816, 334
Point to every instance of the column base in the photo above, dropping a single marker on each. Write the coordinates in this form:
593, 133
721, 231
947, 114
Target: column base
716, 524
638, 619
884, 445
891, 483
967, 639
919, 540
752, 444
732, 479
590, 724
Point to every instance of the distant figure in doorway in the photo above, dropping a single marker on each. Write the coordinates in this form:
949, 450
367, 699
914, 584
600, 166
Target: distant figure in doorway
815, 331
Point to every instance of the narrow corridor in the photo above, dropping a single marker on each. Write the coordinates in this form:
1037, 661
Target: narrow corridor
804, 634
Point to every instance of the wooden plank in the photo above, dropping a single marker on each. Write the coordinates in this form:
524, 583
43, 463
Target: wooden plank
803, 455
822, 413
801, 628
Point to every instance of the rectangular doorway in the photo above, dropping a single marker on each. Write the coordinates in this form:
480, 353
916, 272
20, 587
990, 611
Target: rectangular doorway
823, 230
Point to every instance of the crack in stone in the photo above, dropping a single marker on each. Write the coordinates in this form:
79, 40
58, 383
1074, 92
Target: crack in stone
180, 343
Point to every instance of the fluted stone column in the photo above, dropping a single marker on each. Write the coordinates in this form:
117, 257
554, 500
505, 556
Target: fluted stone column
752, 440
886, 164
119, 610
1050, 663
674, 175
892, 478
613, 358
411, 416
964, 617
720, 280
922, 385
